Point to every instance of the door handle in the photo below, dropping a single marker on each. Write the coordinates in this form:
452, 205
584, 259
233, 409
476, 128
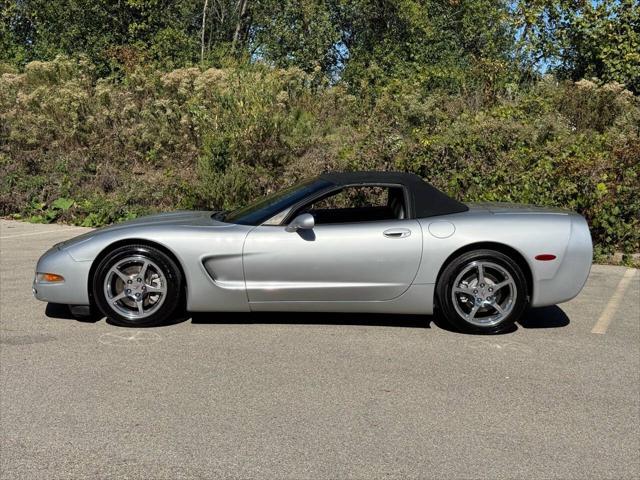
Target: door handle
397, 233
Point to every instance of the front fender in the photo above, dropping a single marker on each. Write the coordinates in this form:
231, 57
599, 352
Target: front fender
210, 258
73, 291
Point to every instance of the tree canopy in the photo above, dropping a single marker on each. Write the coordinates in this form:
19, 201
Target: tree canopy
424, 43
111, 109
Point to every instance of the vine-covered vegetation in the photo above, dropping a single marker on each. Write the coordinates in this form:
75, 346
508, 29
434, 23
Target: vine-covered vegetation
134, 109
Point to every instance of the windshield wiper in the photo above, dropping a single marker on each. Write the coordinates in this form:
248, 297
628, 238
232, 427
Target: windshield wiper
220, 215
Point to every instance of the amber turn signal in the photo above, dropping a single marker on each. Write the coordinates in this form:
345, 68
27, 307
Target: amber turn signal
51, 277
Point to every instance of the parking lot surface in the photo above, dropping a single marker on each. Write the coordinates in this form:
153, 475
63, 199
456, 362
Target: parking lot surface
316, 396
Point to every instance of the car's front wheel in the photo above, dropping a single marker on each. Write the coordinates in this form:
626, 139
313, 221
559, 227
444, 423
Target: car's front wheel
482, 291
137, 286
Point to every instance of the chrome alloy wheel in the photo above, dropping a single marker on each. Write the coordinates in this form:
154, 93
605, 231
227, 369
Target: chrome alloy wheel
135, 287
484, 293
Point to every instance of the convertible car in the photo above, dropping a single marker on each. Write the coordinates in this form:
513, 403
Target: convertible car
341, 242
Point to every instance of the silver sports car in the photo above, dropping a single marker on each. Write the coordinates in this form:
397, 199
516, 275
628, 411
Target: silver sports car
340, 242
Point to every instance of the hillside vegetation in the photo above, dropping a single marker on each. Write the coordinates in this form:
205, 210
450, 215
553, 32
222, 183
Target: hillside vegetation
93, 133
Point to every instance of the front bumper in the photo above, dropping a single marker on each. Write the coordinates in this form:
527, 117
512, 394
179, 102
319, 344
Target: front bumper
75, 288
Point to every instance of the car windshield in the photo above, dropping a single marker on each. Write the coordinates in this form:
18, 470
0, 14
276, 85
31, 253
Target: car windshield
266, 207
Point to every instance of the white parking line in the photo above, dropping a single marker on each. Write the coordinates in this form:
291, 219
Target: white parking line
40, 233
610, 310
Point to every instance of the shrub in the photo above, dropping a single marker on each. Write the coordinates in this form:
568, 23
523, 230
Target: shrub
92, 151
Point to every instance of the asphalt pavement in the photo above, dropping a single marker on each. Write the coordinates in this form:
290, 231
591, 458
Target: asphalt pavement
316, 396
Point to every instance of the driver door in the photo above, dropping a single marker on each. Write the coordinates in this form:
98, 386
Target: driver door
363, 257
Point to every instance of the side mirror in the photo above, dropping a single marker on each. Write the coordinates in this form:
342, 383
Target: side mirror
304, 221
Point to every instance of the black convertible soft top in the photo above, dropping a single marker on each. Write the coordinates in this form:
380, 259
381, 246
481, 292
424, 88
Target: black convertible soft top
426, 200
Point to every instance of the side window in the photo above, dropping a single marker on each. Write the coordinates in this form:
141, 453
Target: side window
358, 204
355, 197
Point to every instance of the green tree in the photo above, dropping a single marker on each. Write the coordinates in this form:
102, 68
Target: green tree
15, 33
425, 43
124, 31
295, 33
582, 38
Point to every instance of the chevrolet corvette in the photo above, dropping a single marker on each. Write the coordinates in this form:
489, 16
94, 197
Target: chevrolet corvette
381, 242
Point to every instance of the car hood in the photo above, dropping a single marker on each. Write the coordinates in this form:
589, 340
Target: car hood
175, 218
182, 218
515, 208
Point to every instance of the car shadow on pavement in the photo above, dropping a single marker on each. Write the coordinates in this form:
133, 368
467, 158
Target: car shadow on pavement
57, 310
313, 318
545, 317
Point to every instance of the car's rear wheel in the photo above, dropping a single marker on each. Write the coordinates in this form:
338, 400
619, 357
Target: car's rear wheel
482, 291
137, 286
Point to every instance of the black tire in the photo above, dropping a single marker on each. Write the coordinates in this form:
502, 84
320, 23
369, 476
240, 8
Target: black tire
495, 263
125, 315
